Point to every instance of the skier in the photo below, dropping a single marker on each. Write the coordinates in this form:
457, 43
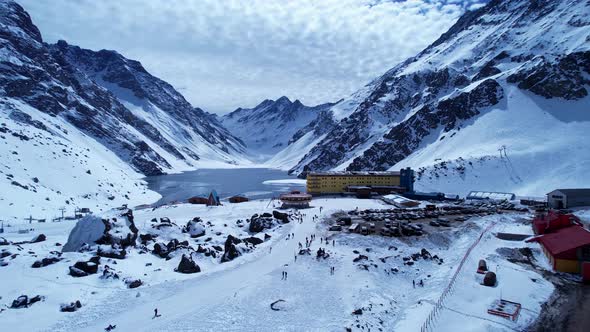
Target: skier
421, 283
269, 250
414, 283
333, 243
110, 327
156, 313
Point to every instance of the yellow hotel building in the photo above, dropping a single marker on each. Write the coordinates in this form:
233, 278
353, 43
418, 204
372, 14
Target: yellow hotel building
321, 183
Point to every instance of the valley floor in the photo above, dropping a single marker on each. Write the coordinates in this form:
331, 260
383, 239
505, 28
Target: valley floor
236, 296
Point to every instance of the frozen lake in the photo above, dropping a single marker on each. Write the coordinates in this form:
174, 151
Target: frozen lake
254, 183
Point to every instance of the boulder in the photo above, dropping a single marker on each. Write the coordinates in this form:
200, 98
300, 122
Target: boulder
5, 253
284, 217
83, 269
105, 251
134, 283
71, 307
161, 250
145, 238
256, 225
77, 273
253, 240
4, 242
20, 302
230, 250
359, 258
194, 228
109, 273
24, 301
187, 265
87, 230
39, 238
45, 262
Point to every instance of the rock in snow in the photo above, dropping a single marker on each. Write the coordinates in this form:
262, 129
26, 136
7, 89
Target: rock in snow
187, 265
87, 230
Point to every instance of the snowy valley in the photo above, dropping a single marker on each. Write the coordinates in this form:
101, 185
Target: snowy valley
498, 103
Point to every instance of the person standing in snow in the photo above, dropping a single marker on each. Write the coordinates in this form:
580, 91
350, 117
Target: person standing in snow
285, 275
414, 283
333, 243
269, 250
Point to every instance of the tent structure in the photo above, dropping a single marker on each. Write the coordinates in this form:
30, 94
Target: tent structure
213, 199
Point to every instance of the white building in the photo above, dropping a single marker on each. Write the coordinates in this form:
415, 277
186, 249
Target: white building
568, 198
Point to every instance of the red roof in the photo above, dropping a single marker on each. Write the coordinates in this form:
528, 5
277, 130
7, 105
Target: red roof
565, 239
551, 221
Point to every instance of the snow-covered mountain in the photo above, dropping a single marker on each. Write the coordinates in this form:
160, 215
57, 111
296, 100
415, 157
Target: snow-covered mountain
78, 124
273, 125
510, 76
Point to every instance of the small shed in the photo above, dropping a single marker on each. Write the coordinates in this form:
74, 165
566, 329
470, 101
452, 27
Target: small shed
238, 199
197, 200
213, 199
568, 198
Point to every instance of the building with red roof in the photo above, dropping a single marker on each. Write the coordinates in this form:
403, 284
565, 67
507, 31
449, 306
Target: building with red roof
567, 247
552, 220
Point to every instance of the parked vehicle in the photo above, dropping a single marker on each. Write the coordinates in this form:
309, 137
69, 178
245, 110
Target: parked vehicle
335, 228
364, 230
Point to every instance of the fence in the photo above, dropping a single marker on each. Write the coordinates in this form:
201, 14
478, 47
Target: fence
430, 320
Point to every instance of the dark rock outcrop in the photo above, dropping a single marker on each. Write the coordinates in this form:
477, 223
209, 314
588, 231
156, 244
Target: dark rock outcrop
71, 307
253, 240
230, 250
39, 238
187, 265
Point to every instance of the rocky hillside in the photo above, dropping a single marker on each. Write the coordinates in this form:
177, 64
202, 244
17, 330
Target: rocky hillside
78, 124
273, 125
518, 60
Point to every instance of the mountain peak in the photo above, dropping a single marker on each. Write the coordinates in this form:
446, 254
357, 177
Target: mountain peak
12, 14
283, 100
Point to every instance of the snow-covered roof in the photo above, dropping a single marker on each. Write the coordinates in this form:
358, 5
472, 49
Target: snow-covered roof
490, 195
574, 192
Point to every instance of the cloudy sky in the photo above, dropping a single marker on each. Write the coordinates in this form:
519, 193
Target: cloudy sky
224, 54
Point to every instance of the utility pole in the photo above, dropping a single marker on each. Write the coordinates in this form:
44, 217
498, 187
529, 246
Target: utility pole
63, 209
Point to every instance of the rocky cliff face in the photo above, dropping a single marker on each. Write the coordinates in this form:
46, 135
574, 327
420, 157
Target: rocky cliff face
115, 100
541, 47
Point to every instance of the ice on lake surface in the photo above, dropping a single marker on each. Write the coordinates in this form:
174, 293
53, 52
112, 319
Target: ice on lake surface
255, 183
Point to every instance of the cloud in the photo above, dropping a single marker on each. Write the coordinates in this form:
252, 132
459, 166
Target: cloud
223, 54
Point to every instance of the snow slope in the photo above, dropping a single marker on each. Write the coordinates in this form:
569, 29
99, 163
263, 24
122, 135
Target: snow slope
80, 128
235, 296
544, 149
512, 73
